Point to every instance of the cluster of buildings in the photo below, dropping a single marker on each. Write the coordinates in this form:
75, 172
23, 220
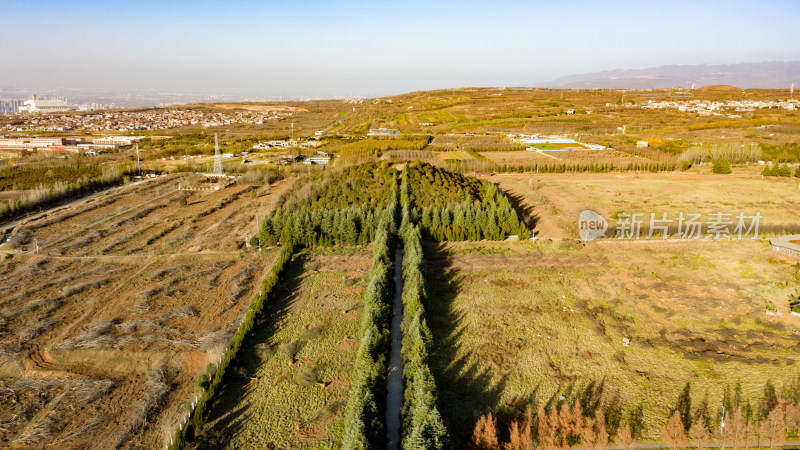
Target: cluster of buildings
707, 107
10, 105
320, 158
70, 144
282, 145
58, 119
35, 105
269, 145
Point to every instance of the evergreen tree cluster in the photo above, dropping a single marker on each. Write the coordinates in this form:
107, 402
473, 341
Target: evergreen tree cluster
721, 166
437, 187
343, 209
780, 170
363, 424
368, 183
352, 225
423, 427
453, 207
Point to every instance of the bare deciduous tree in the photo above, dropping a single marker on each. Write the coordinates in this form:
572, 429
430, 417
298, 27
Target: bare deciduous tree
546, 428
602, 433
624, 437
588, 436
698, 433
673, 434
484, 437
737, 426
748, 433
773, 429
519, 439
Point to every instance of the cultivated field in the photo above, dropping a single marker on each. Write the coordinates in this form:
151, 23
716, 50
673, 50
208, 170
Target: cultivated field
616, 157
518, 325
554, 201
130, 297
291, 386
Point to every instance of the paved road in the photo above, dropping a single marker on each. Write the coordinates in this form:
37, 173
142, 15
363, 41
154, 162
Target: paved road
394, 381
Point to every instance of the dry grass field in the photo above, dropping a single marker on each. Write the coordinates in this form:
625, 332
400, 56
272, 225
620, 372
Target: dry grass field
554, 201
291, 387
616, 157
106, 329
520, 324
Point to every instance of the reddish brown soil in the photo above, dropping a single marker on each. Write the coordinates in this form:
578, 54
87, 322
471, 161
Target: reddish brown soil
103, 335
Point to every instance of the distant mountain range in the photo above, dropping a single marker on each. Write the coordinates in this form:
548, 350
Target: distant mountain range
777, 74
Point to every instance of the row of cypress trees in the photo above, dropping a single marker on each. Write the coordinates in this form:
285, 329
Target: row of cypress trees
423, 427
569, 167
466, 222
364, 427
776, 170
198, 415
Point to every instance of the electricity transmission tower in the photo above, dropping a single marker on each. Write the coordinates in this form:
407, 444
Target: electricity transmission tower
217, 158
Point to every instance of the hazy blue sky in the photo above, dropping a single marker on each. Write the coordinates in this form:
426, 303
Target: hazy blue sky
329, 48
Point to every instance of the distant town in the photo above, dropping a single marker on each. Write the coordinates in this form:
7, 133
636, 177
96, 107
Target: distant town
70, 144
53, 115
708, 108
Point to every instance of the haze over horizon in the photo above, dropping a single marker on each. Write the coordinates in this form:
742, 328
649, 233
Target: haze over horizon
312, 48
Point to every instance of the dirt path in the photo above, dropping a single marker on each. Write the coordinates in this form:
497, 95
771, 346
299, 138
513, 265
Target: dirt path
394, 381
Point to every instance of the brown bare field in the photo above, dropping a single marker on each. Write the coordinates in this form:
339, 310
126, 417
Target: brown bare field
521, 324
456, 155
553, 201
257, 107
411, 155
615, 157
104, 334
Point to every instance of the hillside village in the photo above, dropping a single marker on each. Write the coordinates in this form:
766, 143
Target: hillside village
708, 107
126, 120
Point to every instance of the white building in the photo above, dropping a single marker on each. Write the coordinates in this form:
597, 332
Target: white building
35, 105
118, 140
384, 132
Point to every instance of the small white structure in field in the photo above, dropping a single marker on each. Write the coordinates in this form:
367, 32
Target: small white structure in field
642, 144
384, 132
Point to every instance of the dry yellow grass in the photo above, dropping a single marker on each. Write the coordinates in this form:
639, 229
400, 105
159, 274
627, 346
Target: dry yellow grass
557, 199
521, 324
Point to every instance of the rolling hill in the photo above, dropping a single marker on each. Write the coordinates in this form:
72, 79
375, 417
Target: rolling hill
773, 75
